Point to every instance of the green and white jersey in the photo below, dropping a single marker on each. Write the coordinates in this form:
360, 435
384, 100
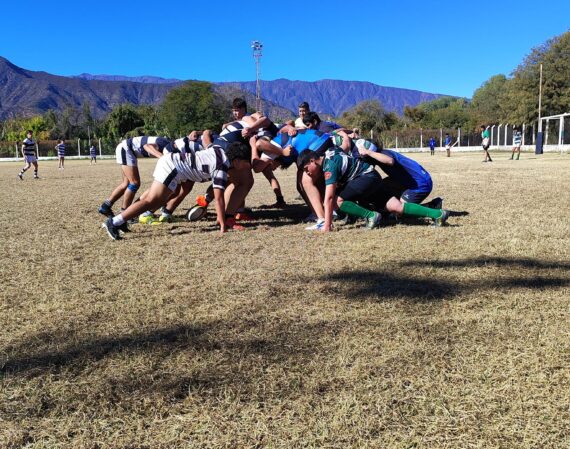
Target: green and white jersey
340, 168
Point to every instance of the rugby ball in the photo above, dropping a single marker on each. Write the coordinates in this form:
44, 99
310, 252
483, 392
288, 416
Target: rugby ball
366, 144
196, 213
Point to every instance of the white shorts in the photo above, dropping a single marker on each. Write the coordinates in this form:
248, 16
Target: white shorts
166, 173
270, 156
125, 157
30, 159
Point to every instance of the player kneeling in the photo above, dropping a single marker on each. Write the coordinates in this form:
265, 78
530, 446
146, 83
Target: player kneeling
351, 181
211, 164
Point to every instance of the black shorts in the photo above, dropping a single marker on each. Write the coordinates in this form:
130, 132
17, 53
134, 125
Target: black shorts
367, 189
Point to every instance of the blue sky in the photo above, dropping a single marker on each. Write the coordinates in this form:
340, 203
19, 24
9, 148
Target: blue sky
448, 47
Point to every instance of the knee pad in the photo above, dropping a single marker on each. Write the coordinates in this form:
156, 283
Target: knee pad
133, 187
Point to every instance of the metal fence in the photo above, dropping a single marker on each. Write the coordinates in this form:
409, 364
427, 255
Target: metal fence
555, 139
501, 136
73, 148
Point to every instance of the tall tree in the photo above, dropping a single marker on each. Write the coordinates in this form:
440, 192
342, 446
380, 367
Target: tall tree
488, 100
368, 115
194, 105
521, 98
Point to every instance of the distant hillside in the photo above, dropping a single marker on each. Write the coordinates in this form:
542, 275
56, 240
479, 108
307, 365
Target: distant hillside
25, 92
333, 96
134, 79
327, 96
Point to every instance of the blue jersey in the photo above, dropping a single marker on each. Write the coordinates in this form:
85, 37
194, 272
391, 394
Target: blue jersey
447, 140
432, 143
405, 171
60, 149
305, 139
327, 126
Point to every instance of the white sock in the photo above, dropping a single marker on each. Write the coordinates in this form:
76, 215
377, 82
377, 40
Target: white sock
118, 220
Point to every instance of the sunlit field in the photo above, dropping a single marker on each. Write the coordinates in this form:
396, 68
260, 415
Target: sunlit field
408, 336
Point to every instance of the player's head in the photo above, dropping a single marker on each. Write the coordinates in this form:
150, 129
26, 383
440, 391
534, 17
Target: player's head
310, 162
483, 127
312, 120
303, 109
239, 155
29, 133
239, 108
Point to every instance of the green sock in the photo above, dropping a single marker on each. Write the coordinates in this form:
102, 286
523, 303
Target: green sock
415, 210
350, 208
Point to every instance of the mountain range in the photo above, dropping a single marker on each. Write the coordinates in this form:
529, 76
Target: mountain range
26, 92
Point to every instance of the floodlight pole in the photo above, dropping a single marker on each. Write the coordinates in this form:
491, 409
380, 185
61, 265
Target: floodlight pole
257, 47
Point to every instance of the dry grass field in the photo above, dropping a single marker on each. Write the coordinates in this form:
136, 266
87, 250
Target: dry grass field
408, 336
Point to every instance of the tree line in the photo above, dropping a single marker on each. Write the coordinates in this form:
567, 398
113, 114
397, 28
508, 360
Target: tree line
195, 105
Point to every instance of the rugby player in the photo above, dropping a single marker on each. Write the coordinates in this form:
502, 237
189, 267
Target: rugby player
30, 155
127, 153
350, 181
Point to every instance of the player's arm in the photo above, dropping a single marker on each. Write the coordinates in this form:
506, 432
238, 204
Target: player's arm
220, 208
345, 145
288, 129
255, 124
151, 148
22, 150
382, 158
330, 192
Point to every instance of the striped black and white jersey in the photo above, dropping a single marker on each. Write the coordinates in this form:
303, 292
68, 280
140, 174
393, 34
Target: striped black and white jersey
184, 145
29, 147
136, 144
92, 151
230, 134
202, 166
60, 149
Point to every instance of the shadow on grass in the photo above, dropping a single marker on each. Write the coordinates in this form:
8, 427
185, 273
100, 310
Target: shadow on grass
383, 285
92, 350
359, 285
501, 262
251, 359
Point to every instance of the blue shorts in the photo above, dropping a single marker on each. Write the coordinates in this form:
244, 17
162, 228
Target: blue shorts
410, 195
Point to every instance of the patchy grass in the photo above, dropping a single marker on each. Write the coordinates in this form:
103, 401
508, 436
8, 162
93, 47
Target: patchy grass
405, 337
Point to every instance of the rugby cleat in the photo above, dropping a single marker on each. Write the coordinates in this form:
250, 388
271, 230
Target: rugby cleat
106, 210
21, 176
436, 203
147, 219
318, 226
164, 218
442, 219
374, 221
111, 229
124, 228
